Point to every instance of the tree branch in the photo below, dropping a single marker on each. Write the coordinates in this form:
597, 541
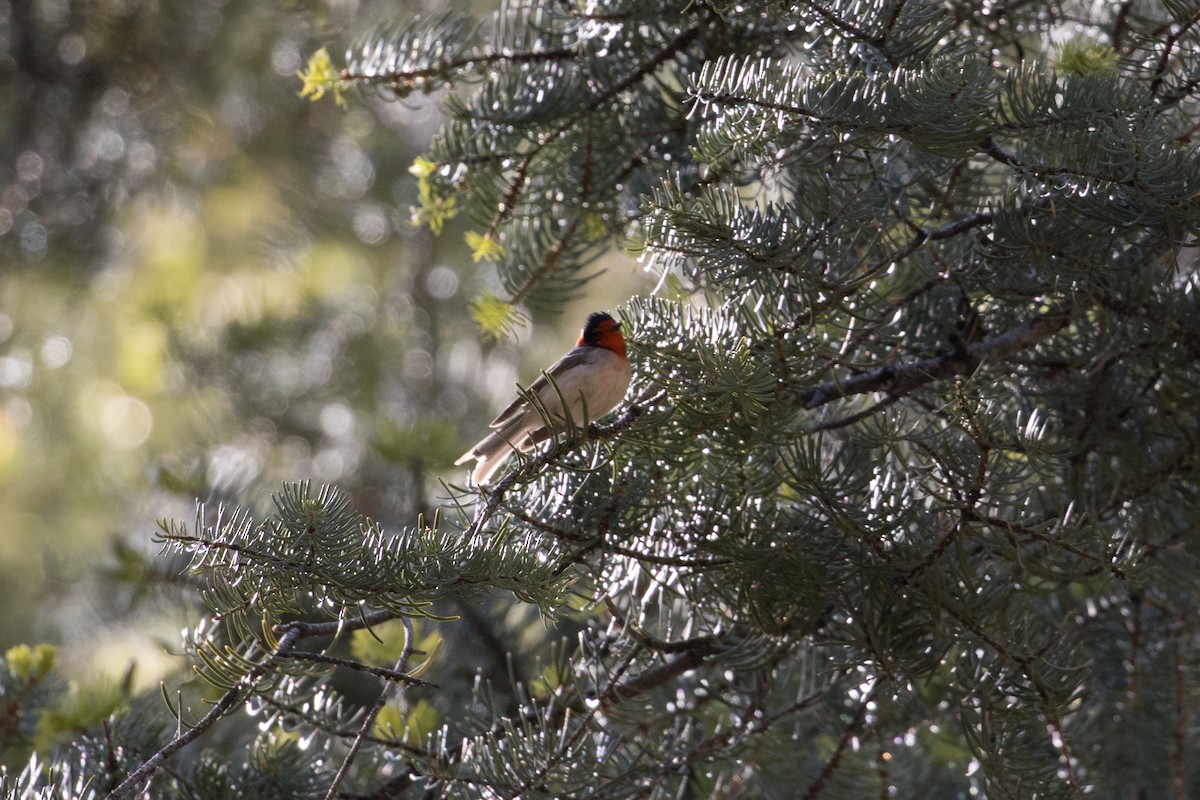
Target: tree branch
390, 688
904, 378
653, 678
335, 627
378, 672
146, 771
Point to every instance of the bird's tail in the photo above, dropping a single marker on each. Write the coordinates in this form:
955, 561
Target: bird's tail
494, 449
489, 454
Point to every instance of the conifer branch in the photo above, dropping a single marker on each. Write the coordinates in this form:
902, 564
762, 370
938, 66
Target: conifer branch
1168, 49
551, 260
1144, 312
404, 81
853, 31
335, 627
134, 780
905, 377
569, 743
323, 724
391, 688
507, 204
347, 663
852, 729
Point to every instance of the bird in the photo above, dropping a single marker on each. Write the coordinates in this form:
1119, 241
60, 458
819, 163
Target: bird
592, 378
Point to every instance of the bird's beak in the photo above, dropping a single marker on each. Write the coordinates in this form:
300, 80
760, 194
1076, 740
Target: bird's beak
616, 326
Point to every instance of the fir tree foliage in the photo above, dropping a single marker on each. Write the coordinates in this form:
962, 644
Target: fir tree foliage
904, 498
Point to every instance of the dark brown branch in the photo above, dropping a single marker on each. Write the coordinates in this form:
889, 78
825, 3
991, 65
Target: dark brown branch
335, 627
378, 672
1186, 336
368, 721
904, 378
508, 203
859, 416
134, 780
853, 728
669, 561
650, 679
1172, 39
407, 80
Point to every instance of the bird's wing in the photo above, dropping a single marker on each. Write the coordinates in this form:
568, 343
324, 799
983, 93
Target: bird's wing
540, 386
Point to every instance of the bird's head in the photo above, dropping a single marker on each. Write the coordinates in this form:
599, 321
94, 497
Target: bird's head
601, 330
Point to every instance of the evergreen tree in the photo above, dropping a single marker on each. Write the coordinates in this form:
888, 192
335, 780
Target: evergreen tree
903, 501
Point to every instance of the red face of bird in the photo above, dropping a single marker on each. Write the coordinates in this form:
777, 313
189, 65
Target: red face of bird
601, 330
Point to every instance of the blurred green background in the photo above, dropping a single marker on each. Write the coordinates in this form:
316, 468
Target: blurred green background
209, 286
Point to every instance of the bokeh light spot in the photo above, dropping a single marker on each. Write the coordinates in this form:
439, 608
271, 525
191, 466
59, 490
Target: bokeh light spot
126, 421
441, 283
56, 351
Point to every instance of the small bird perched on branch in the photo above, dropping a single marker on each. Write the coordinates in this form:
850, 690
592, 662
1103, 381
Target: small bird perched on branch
591, 379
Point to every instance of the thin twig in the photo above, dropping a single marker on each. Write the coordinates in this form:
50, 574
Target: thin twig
390, 688
228, 700
378, 672
336, 626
